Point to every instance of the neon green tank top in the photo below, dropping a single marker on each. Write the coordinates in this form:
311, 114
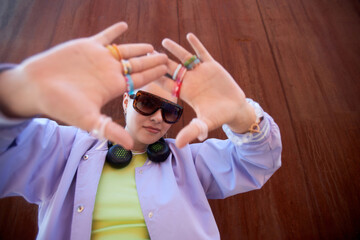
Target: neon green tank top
117, 213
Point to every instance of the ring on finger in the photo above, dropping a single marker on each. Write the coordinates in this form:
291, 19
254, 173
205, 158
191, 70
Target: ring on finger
176, 72
126, 66
115, 52
179, 80
192, 62
129, 84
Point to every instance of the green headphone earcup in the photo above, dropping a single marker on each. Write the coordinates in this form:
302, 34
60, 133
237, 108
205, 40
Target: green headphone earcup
158, 151
118, 157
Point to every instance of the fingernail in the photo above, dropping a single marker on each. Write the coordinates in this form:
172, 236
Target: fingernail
163, 41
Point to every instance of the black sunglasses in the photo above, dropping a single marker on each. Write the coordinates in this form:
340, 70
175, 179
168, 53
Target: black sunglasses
147, 104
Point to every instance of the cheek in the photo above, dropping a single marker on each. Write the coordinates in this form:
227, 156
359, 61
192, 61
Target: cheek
133, 121
165, 128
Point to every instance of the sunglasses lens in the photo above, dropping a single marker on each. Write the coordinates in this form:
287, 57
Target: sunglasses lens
146, 104
171, 113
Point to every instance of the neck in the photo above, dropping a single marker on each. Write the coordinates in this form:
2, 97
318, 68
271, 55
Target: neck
137, 152
139, 148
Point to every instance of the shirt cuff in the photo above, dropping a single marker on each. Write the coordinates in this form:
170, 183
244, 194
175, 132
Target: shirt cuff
8, 122
6, 66
4, 120
240, 139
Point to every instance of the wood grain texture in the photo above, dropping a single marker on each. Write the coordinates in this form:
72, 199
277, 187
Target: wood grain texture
316, 50
300, 59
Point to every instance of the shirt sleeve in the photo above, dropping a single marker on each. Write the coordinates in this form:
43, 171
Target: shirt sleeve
33, 155
6, 66
226, 168
5, 121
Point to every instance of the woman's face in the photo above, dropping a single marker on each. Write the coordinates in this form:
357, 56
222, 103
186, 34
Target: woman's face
146, 130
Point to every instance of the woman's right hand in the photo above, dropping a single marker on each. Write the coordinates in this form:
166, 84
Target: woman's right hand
72, 81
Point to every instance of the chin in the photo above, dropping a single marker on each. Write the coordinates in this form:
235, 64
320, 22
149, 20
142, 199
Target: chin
149, 139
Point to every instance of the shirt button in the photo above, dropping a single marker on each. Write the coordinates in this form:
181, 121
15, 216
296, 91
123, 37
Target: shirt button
150, 214
80, 208
141, 171
86, 157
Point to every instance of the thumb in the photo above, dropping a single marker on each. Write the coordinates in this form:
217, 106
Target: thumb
109, 34
197, 128
106, 128
117, 134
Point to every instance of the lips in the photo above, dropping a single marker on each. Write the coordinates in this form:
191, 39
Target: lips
152, 129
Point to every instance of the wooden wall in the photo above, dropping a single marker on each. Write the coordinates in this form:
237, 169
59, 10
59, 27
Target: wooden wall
300, 59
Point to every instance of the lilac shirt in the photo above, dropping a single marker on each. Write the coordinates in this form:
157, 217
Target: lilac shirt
45, 163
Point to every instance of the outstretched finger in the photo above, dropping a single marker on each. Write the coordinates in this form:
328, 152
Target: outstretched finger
178, 51
198, 47
142, 78
104, 128
197, 128
117, 134
134, 49
143, 63
109, 34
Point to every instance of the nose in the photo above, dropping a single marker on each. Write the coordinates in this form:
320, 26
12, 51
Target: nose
156, 117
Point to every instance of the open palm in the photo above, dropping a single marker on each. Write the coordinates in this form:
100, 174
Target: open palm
209, 89
72, 81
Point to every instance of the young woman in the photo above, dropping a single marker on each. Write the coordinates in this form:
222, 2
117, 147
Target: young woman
157, 194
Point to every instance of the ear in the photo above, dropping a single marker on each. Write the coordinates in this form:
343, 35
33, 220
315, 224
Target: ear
126, 98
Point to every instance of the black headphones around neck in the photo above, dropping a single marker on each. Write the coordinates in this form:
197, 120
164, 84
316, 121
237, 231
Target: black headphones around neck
119, 157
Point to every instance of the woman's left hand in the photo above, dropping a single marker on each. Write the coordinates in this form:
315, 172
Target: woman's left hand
210, 90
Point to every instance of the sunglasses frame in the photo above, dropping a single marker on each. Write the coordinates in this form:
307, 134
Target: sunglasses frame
161, 100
